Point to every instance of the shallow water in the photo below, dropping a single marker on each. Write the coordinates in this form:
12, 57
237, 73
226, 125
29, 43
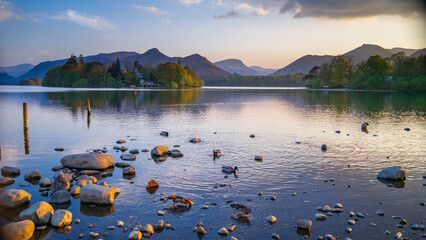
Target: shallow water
223, 118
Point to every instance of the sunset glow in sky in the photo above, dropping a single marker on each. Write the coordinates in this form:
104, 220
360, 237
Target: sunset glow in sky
267, 33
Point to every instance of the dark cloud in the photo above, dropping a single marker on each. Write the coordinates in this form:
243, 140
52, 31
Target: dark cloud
339, 9
230, 14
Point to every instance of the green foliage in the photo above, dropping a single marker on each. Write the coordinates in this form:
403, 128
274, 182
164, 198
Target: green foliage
32, 82
291, 80
398, 72
80, 74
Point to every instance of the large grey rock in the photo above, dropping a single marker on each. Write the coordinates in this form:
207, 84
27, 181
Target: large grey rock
10, 171
90, 161
6, 181
32, 175
14, 198
61, 218
60, 197
159, 151
304, 224
392, 173
96, 194
22, 230
40, 213
60, 183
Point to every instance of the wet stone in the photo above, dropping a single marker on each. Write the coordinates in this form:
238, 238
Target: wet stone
380, 213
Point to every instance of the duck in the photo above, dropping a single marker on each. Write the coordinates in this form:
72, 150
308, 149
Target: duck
229, 169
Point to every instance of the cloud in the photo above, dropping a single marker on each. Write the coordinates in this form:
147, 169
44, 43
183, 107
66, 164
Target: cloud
190, 2
230, 14
166, 20
221, 3
153, 10
7, 12
94, 22
256, 11
343, 9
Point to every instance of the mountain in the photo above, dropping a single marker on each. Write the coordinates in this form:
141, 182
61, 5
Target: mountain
263, 71
152, 56
17, 70
40, 70
419, 53
303, 65
204, 68
6, 79
407, 51
362, 53
236, 66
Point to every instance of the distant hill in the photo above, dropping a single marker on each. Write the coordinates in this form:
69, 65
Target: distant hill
406, 50
40, 70
263, 71
6, 79
18, 70
303, 65
362, 53
236, 66
419, 53
204, 68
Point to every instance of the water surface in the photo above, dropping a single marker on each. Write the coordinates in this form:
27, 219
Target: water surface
223, 118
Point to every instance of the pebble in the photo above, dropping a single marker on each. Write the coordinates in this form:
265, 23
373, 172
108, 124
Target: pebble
326, 208
41, 228
398, 235
167, 226
230, 229
380, 213
403, 222
271, 219
120, 223
135, 235
205, 207
200, 230
81, 235
387, 232
360, 215
160, 213
273, 198
351, 222
293, 194
320, 217
91, 225
373, 224
415, 227
223, 231
338, 205
423, 204
260, 193
67, 228
348, 230
111, 228
77, 221
93, 235
275, 236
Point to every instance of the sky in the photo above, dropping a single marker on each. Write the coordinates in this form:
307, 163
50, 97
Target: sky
267, 33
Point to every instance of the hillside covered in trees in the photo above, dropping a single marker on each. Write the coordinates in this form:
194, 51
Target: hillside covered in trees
398, 72
79, 74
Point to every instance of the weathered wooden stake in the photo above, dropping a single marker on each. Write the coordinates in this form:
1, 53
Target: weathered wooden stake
26, 135
89, 111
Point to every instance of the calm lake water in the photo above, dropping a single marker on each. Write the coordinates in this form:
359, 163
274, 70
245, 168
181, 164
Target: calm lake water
223, 118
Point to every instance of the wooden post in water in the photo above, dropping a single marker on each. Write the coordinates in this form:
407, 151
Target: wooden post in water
26, 135
89, 112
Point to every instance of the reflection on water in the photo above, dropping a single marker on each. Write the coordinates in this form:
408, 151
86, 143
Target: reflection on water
224, 119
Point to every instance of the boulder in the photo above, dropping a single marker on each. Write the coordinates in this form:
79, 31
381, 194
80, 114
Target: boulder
159, 225
122, 164
10, 171
67, 176
61, 218
96, 194
14, 198
75, 190
22, 230
129, 170
148, 229
45, 182
159, 151
128, 157
304, 224
89, 161
60, 183
40, 213
60, 197
32, 175
6, 181
392, 173
135, 235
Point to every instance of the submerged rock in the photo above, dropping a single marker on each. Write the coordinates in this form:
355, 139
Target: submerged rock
45, 182
40, 213
122, 164
61, 218
60, 197
89, 161
304, 224
34, 175
128, 157
22, 230
320, 217
96, 194
152, 184
160, 151
129, 170
11, 198
10, 171
392, 173
6, 181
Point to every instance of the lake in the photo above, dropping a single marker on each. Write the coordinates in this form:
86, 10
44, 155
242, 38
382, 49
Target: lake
224, 118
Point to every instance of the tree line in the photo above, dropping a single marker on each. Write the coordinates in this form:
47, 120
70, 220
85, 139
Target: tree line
78, 73
398, 72
290, 80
